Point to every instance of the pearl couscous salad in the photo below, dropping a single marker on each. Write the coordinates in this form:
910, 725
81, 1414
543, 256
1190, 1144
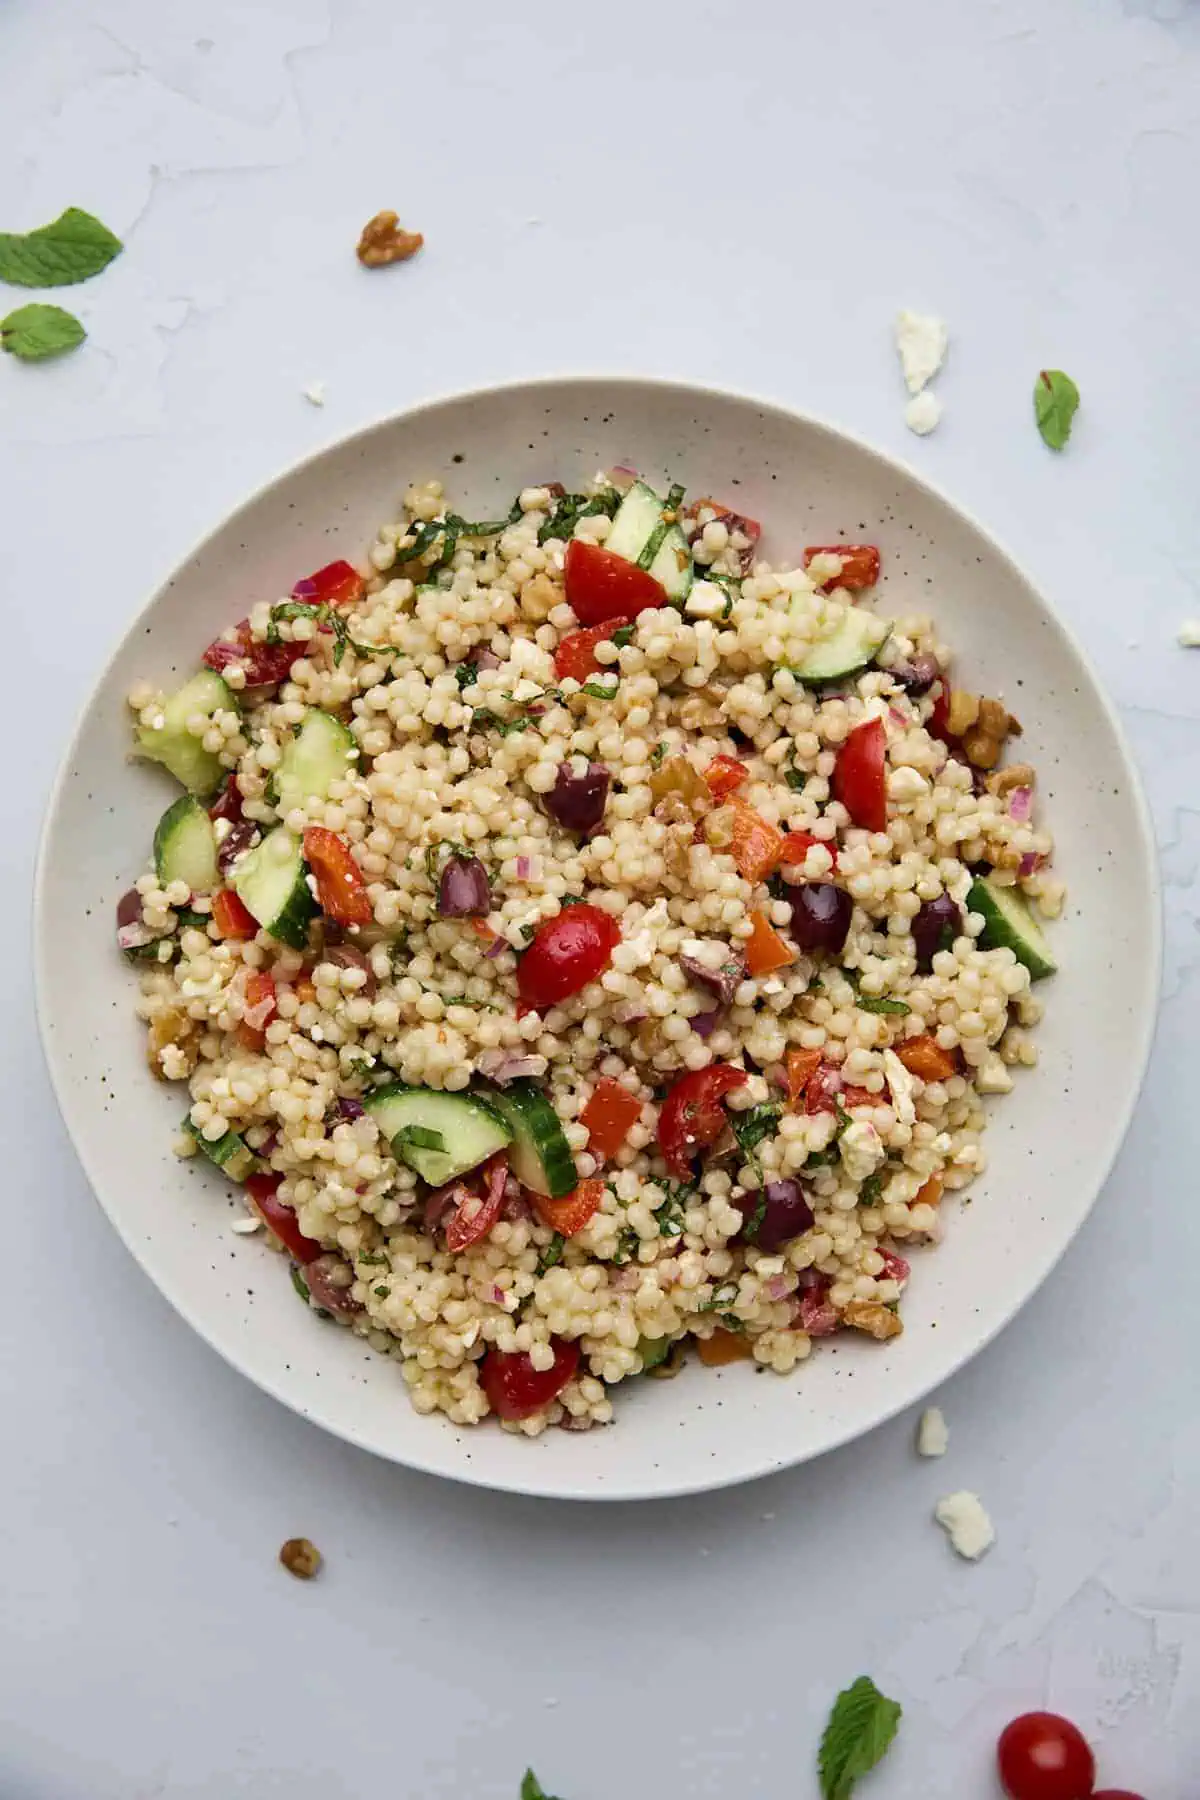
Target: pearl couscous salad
585, 942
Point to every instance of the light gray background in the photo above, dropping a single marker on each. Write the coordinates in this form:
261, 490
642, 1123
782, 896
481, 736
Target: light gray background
742, 192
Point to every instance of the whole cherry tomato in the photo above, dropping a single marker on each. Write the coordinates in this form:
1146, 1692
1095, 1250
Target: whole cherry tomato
515, 1389
1044, 1757
859, 780
576, 653
280, 1219
341, 890
692, 1116
566, 953
603, 587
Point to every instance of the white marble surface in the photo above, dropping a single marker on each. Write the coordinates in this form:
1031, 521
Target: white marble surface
747, 205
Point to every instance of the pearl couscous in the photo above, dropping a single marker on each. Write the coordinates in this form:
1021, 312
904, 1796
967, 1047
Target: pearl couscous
584, 940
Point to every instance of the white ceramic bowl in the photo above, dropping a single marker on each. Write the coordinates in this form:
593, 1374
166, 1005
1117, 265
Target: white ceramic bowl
1050, 1144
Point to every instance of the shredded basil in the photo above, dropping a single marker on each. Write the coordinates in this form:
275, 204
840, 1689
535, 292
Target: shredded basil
299, 1283
750, 1128
420, 1137
871, 1190
879, 1003
796, 779
598, 691
373, 1261
622, 636
720, 1298
552, 1254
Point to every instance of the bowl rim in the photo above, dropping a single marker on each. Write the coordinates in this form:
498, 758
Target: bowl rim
1148, 1001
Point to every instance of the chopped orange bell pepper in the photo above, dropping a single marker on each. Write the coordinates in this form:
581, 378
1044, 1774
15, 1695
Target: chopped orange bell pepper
925, 1057
801, 1066
765, 949
756, 845
723, 1347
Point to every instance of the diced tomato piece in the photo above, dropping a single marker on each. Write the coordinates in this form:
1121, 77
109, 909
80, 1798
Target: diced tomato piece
823, 1091
692, 1116
265, 664
852, 1096
860, 563
929, 1193
610, 1115
280, 1219
259, 1010
801, 1066
604, 588
756, 844
814, 1314
576, 653
723, 1347
797, 844
478, 1212
765, 949
570, 1212
859, 776
566, 953
231, 917
515, 1389
341, 891
337, 584
924, 1057
724, 775
938, 722
895, 1268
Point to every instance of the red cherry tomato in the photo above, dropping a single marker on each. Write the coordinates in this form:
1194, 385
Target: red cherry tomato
341, 891
603, 587
609, 1115
264, 663
860, 563
576, 653
724, 775
337, 584
280, 1219
1044, 1757
477, 1214
859, 781
515, 1389
692, 1116
566, 953
233, 919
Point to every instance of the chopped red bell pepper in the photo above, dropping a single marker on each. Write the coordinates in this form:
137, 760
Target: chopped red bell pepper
341, 891
232, 918
337, 584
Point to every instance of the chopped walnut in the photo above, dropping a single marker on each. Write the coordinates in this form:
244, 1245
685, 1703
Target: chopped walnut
300, 1558
962, 712
871, 1316
383, 241
982, 751
1017, 775
981, 725
994, 719
167, 1031
677, 778
539, 597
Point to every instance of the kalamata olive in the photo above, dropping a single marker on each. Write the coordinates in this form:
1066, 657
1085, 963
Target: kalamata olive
463, 889
773, 1215
577, 802
239, 837
917, 676
936, 925
349, 956
723, 981
821, 915
129, 908
348, 1108
330, 1281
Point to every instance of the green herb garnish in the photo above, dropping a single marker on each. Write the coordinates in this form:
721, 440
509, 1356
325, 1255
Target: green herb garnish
598, 691
796, 779
1055, 403
37, 332
420, 1137
860, 1729
72, 248
552, 1254
658, 756
299, 1283
373, 1261
871, 1190
622, 636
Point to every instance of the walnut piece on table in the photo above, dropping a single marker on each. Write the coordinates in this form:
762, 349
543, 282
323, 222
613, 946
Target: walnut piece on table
871, 1316
300, 1558
384, 240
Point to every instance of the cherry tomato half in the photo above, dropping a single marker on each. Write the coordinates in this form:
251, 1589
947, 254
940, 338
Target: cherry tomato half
724, 775
1044, 1757
609, 1115
337, 584
603, 587
341, 891
566, 953
476, 1215
280, 1219
692, 1116
859, 780
515, 1389
860, 563
576, 653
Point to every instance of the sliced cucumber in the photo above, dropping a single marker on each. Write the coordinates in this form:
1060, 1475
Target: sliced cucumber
636, 520
173, 745
1008, 924
230, 1152
185, 847
439, 1135
853, 644
322, 752
672, 565
272, 883
540, 1156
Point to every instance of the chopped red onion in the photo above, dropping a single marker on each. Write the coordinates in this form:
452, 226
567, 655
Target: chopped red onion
1020, 805
917, 676
705, 1023
577, 802
497, 947
624, 1280
129, 908
236, 841
814, 1314
524, 868
895, 1268
572, 1422
348, 1108
623, 475
502, 1066
463, 890
778, 1287
305, 590
897, 717
481, 656
443, 1201
257, 1016
1030, 863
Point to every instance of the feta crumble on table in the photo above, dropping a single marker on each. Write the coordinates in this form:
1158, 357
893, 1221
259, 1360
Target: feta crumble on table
966, 1524
921, 340
923, 413
933, 1434
1189, 634
314, 393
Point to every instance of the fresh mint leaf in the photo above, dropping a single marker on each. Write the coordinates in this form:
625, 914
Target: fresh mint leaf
880, 1003
532, 1789
72, 248
860, 1729
1055, 403
750, 1128
36, 332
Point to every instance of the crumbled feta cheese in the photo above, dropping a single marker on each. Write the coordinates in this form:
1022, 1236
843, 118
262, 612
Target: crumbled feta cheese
245, 1227
923, 413
706, 600
901, 1084
921, 339
862, 1150
993, 1076
1189, 634
966, 1524
314, 393
933, 1434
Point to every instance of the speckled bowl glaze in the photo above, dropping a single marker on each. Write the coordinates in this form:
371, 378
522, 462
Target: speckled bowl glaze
1050, 1144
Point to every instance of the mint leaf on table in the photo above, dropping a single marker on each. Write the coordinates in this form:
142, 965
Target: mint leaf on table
36, 332
1055, 403
860, 1729
532, 1789
72, 248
